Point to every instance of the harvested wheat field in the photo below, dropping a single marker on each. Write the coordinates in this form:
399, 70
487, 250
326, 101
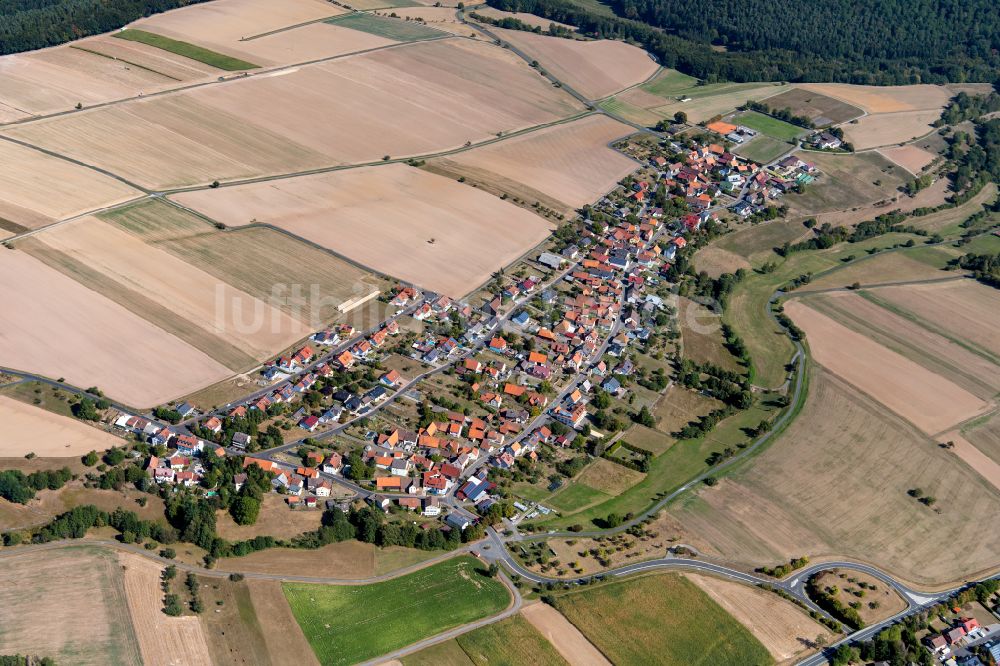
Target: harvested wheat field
595, 69
39, 189
785, 630
571, 163
896, 113
276, 519
523, 17
964, 310
835, 485
255, 261
885, 99
818, 108
947, 358
909, 157
417, 99
28, 429
715, 261
985, 466
985, 436
68, 604
927, 400
163, 640
172, 141
222, 321
609, 477
286, 644
234, 27
306, 43
163, 62
394, 219
947, 221
564, 637
55, 326
884, 268
886, 129
57, 79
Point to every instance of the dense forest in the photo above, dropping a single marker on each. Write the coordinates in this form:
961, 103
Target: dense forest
35, 24
883, 42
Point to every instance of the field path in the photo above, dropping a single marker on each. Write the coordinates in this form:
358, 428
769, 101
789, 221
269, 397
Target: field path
565, 638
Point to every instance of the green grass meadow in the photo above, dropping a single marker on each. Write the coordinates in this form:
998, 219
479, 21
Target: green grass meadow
774, 128
185, 49
663, 619
346, 624
396, 29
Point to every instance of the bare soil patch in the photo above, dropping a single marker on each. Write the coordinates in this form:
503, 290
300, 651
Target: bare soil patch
596, 69
28, 429
56, 327
571, 163
785, 630
911, 158
927, 400
286, 644
966, 310
68, 604
889, 602
276, 519
163, 640
565, 638
394, 219
835, 485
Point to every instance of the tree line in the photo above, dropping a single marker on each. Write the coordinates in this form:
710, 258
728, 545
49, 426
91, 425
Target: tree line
887, 42
26, 25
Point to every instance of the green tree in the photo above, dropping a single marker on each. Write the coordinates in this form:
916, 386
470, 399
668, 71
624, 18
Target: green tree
245, 510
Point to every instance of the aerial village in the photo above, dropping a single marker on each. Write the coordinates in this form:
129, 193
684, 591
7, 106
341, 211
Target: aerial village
427, 411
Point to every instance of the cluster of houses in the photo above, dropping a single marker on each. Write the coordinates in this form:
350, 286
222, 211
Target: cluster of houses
963, 630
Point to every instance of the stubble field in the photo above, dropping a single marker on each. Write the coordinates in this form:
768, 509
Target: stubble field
163, 640
423, 98
835, 485
571, 163
28, 429
68, 604
595, 69
39, 189
785, 630
224, 322
48, 318
394, 219
917, 394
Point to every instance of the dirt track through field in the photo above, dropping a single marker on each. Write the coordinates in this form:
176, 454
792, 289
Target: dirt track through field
927, 400
285, 641
565, 638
